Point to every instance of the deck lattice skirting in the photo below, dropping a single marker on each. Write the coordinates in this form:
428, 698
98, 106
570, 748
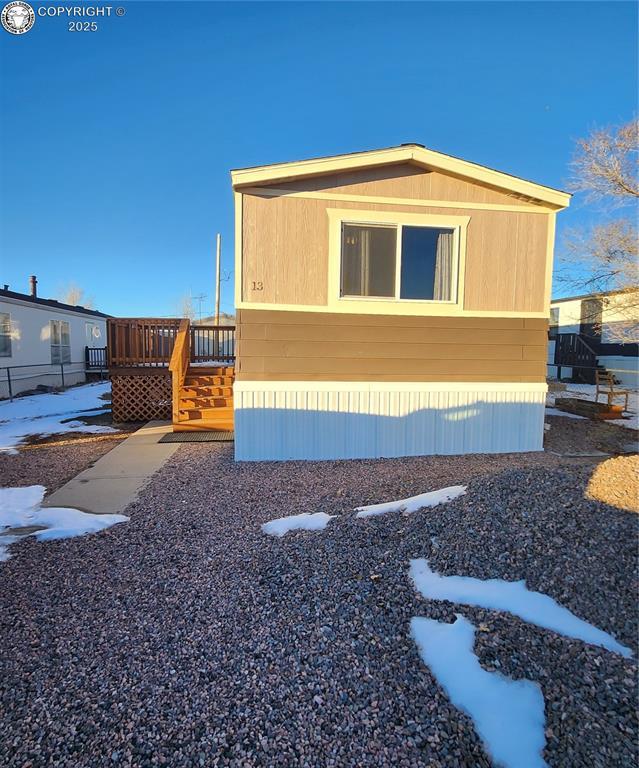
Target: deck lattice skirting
141, 396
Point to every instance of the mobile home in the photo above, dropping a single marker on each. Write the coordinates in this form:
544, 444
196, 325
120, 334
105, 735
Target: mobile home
598, 331
390, 303
44, 342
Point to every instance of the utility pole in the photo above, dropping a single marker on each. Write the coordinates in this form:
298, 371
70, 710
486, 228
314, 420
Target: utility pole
218, 254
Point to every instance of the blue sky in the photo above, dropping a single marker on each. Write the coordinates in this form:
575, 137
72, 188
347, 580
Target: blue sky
116, 145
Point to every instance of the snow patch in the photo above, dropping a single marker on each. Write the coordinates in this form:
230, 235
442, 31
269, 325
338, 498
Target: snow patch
20, 508
5, 543
304, 522
65, 522
513, 597
48, 414
17, 504
412, 504
508, 715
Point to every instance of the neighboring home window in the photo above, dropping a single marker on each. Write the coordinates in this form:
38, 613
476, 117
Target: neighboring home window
5, 334
553, 330
398, 261
60, 342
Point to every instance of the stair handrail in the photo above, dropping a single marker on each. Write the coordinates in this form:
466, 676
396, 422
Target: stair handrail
580, 339
179, 365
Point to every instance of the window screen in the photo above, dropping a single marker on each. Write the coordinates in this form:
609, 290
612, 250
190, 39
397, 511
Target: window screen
368, 260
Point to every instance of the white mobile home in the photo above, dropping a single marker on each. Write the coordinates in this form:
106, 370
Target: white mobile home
595, 331
43, 341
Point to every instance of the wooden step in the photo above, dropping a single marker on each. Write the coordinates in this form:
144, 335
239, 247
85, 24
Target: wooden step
213, 370
206, 391
205, 402
201, 425
206, 399
208, 381
223, 412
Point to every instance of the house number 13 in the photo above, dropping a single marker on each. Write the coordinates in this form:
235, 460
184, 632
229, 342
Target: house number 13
258, 286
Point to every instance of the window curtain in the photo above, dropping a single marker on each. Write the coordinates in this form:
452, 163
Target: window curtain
444, 267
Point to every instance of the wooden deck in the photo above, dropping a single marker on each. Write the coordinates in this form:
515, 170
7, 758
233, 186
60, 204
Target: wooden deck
174, 369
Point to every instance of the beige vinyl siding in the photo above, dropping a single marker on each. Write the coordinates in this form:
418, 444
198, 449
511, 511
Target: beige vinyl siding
289, 345
403, 181
285, 251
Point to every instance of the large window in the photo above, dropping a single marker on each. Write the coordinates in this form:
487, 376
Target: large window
60, 342
398, 261
5, 334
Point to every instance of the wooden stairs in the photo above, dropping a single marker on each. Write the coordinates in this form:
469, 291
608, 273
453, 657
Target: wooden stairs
205, 400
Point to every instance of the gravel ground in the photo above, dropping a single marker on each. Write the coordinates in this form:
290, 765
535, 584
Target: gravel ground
195, 640
54, 460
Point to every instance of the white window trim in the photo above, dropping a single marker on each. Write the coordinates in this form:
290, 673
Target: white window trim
8, 334
60, 347
394, 305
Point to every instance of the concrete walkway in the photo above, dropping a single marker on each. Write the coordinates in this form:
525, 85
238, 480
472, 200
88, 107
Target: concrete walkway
115, 480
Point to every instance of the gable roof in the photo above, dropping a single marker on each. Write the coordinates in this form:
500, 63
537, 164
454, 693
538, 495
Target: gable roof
415, 154
26, 297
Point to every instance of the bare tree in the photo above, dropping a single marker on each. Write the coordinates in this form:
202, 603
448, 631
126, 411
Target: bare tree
604, 258
605, 165
187, 309
74, 295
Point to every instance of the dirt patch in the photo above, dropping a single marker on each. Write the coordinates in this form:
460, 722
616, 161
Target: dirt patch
581, 435
616, 482
53, 460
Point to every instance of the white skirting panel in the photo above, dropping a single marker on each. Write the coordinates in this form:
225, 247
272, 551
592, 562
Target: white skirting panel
355, 420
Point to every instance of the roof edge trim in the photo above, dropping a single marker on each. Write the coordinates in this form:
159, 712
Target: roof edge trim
425, 158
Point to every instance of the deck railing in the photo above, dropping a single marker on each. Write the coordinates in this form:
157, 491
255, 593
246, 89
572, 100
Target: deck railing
140, 341
95, 358
135, 342
212, 342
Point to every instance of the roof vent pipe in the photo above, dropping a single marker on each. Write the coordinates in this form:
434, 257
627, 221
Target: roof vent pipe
33, 285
